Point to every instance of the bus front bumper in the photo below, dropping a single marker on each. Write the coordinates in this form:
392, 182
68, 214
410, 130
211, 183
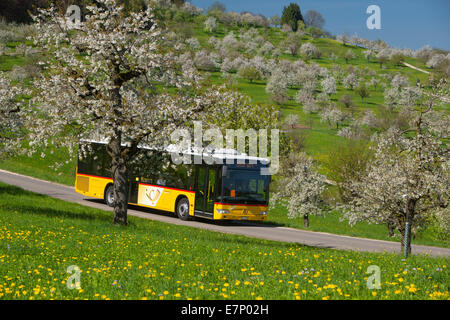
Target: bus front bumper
240, 212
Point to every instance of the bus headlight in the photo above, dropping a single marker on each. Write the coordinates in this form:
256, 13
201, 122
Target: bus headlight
222, 211
263, 213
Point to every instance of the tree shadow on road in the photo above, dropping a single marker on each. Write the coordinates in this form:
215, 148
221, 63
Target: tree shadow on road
223, 223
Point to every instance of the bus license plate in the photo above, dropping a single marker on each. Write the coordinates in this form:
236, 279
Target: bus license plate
244, 218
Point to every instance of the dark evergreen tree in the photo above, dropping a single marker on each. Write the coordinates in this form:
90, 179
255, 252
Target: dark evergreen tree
291, 16
17, 10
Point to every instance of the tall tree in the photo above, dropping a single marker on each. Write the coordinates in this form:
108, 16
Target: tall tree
275, 20
329, 85
314, 19
109, 77
407, 180
291, 16
382, 57
347, 163
301, 188
362, 91
292, 43
349, 55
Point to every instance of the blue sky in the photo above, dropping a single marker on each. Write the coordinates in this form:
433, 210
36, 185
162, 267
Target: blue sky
405, 24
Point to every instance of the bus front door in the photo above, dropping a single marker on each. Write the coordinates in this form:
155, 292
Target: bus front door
205, 192
200, 183
211, 192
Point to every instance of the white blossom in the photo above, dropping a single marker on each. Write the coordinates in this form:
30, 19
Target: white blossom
399, 82
267, 48
191, 9
193, 43
230, 42
369, 119
291, 121
333, 116
408, 178
12, 107
277, 87
329, 85
205, 60
301, 188
309, 50
351, 81
116, 92
410, 96
437, 60
211, 24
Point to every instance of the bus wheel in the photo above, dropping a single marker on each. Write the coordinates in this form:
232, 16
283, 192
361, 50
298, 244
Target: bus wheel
109, 196
183, 209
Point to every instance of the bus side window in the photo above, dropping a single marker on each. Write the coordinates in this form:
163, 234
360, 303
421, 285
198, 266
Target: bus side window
106, 162
97, 163
87, 162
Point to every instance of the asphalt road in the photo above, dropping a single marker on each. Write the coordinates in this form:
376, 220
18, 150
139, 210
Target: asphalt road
261, 231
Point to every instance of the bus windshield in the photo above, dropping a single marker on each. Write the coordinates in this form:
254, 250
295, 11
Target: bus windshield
245, 187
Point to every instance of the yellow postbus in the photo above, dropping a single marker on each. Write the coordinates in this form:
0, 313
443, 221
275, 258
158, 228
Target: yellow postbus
228, 189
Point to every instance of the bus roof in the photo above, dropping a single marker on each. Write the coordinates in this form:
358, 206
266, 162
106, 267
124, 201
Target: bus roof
219, 154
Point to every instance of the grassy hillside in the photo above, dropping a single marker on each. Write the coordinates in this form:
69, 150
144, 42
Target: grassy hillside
41, 237
319, 138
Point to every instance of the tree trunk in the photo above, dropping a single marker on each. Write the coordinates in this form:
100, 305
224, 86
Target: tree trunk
390, 226
118, 155
410, 210
120, 178
306, 220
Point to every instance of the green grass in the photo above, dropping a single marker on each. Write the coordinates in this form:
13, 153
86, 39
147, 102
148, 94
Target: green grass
8, 62
43, 168
41, 237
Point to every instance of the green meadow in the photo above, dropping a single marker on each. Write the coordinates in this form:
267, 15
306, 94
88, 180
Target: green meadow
41, 237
